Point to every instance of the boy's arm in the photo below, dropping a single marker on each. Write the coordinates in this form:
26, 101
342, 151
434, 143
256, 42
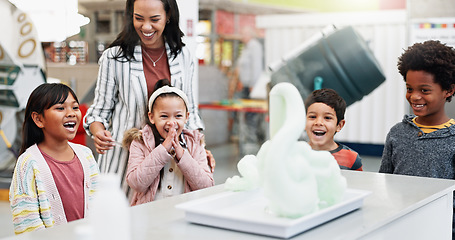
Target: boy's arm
386, 161
358, 166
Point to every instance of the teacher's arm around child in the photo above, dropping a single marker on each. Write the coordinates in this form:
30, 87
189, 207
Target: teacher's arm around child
53, 179
166, 159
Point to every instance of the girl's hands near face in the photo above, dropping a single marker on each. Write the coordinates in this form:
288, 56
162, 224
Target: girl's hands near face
177, 147
170, 138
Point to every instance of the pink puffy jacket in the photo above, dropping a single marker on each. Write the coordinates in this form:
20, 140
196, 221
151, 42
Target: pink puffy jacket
146, 161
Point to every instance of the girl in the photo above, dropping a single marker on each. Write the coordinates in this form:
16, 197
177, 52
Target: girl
165, 159
54, 179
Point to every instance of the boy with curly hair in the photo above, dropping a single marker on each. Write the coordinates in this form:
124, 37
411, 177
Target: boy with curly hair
423, 144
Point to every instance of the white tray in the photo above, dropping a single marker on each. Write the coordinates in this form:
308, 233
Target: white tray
245, 212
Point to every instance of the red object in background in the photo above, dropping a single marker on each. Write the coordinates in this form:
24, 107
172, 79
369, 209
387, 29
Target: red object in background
224, 22
392, 4
80, 134
189, 27
247, 20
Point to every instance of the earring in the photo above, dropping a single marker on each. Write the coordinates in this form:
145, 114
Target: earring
168, 21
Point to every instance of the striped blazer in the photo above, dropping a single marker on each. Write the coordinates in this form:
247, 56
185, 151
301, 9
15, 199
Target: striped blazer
34, 198
120, 101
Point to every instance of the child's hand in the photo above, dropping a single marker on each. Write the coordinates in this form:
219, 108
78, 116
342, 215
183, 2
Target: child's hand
170, 138
177, 148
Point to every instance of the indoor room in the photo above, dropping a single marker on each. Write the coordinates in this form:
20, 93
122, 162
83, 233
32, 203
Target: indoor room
242, 119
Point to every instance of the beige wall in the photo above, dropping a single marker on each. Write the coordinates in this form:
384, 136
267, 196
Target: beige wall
431, 8
80, 77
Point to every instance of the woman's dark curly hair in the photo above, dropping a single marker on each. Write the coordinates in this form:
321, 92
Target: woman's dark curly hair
127, 39
432, 57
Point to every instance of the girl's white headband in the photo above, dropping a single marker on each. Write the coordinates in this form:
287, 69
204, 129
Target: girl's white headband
167, 89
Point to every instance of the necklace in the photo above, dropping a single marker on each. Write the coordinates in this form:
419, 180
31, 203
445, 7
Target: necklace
154, 62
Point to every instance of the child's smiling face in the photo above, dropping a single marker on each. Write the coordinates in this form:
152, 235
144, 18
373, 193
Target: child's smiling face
426, 97
321, 126
169, 112
60, 121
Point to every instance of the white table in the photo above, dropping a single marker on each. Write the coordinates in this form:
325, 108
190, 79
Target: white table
400, 207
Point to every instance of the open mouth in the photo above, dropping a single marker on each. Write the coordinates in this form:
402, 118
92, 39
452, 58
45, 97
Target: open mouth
148, 35
70, 125
167, 130
319, 133
418, 105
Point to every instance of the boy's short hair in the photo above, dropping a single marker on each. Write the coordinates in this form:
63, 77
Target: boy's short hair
433, 57
329, 97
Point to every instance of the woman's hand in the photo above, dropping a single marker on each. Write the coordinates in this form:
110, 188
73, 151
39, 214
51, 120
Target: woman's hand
211, 160
102, 138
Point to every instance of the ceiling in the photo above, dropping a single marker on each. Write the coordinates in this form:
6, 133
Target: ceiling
101, 5
244, 8
226, 5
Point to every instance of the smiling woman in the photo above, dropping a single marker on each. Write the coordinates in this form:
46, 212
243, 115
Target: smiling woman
149, 21
149, 48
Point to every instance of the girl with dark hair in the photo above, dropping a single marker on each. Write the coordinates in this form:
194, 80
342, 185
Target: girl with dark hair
54, 179
128, 39
166, 159
148, 48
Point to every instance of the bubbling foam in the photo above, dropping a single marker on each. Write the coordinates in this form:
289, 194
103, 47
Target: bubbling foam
295, 179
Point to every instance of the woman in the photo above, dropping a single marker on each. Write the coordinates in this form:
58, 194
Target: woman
129, 69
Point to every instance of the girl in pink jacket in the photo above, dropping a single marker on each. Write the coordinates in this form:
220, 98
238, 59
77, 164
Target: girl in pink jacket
164, 158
